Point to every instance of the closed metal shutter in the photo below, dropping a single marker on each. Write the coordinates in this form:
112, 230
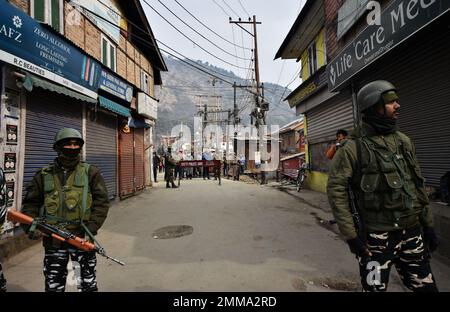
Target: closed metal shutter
139, 159
101, 147
325, 120
47, 112
420, 70
126, 162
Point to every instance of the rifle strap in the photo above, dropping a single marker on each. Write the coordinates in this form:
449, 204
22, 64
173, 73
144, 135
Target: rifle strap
358, 170
84, 205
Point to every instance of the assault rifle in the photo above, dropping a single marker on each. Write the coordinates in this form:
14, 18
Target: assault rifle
359, 226
59, 234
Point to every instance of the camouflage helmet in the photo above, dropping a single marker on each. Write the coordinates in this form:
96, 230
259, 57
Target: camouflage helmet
66, 134
371, 93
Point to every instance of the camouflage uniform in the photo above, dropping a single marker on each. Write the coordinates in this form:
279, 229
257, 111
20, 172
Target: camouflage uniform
393, 205
170, 167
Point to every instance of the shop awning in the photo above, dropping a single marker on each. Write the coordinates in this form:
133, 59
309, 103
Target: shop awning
113, 106
30, 81
137, 123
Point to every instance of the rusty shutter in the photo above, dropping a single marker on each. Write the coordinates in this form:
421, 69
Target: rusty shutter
139, 159
126, 161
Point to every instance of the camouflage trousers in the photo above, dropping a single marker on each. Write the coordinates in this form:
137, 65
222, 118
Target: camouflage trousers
406, 251
2, 280
55, 269
170, 176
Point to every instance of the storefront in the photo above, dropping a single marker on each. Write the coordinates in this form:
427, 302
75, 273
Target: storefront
147, 107
131, 157
101, 145
46, 113
324, 113
413, 54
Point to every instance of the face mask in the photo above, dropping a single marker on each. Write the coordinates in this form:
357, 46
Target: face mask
70, 153
69, 158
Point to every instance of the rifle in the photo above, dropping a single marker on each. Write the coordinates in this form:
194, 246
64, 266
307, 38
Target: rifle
59, 234
357, 220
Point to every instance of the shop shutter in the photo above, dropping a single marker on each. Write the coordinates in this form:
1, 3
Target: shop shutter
126, 161
139, 159
47, 112
101, 147
421, 75
326, 119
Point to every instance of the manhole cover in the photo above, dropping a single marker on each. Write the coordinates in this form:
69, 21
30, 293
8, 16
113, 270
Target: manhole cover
173, 231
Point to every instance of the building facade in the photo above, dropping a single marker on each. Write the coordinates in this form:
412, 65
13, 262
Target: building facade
89, 65
407, 46
324, 112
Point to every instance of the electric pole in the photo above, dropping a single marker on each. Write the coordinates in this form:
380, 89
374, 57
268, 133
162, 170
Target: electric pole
258, 112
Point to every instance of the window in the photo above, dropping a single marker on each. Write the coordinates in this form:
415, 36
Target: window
108, 54
144, 81
312, 58
49, 12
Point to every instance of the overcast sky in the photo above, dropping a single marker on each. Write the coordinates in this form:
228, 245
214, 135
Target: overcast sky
277, 17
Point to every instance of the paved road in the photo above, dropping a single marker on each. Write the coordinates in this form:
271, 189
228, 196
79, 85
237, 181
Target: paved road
245, 238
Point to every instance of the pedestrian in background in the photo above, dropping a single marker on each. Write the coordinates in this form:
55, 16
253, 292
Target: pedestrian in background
341, 136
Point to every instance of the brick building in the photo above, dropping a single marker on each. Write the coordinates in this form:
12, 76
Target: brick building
89, 65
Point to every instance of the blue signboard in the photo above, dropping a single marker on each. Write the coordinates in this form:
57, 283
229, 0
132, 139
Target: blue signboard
115, 86
27, 44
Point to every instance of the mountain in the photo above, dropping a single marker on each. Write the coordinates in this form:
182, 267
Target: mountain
185, 87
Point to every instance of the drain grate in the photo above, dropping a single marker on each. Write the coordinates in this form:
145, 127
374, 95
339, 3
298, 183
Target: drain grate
173, 231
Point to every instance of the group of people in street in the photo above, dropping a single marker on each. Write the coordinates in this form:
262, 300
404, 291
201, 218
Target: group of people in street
173, 170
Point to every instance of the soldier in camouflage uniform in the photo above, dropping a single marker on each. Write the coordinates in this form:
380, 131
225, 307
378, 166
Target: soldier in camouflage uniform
170, 168
56, 193
379, 164
3, 209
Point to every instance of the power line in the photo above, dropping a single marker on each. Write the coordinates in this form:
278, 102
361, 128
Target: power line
198, 33
209, 27
235, 50
194, 61
145, 42
187, 37
223, 10
242, 6
230, 8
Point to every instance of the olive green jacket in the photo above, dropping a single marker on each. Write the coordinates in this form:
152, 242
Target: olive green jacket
344, 171
34, 199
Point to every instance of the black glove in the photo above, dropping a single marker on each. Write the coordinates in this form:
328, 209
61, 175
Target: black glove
430, 239
358, 247
92, 227
35, 235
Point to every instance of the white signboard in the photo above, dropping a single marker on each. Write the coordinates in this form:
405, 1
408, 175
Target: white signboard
106, 10
147, 106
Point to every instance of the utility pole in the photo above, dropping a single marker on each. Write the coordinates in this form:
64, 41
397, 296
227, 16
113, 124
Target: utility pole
257, 113
256, 59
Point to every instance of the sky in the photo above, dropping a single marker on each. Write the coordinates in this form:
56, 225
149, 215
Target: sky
276, 16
